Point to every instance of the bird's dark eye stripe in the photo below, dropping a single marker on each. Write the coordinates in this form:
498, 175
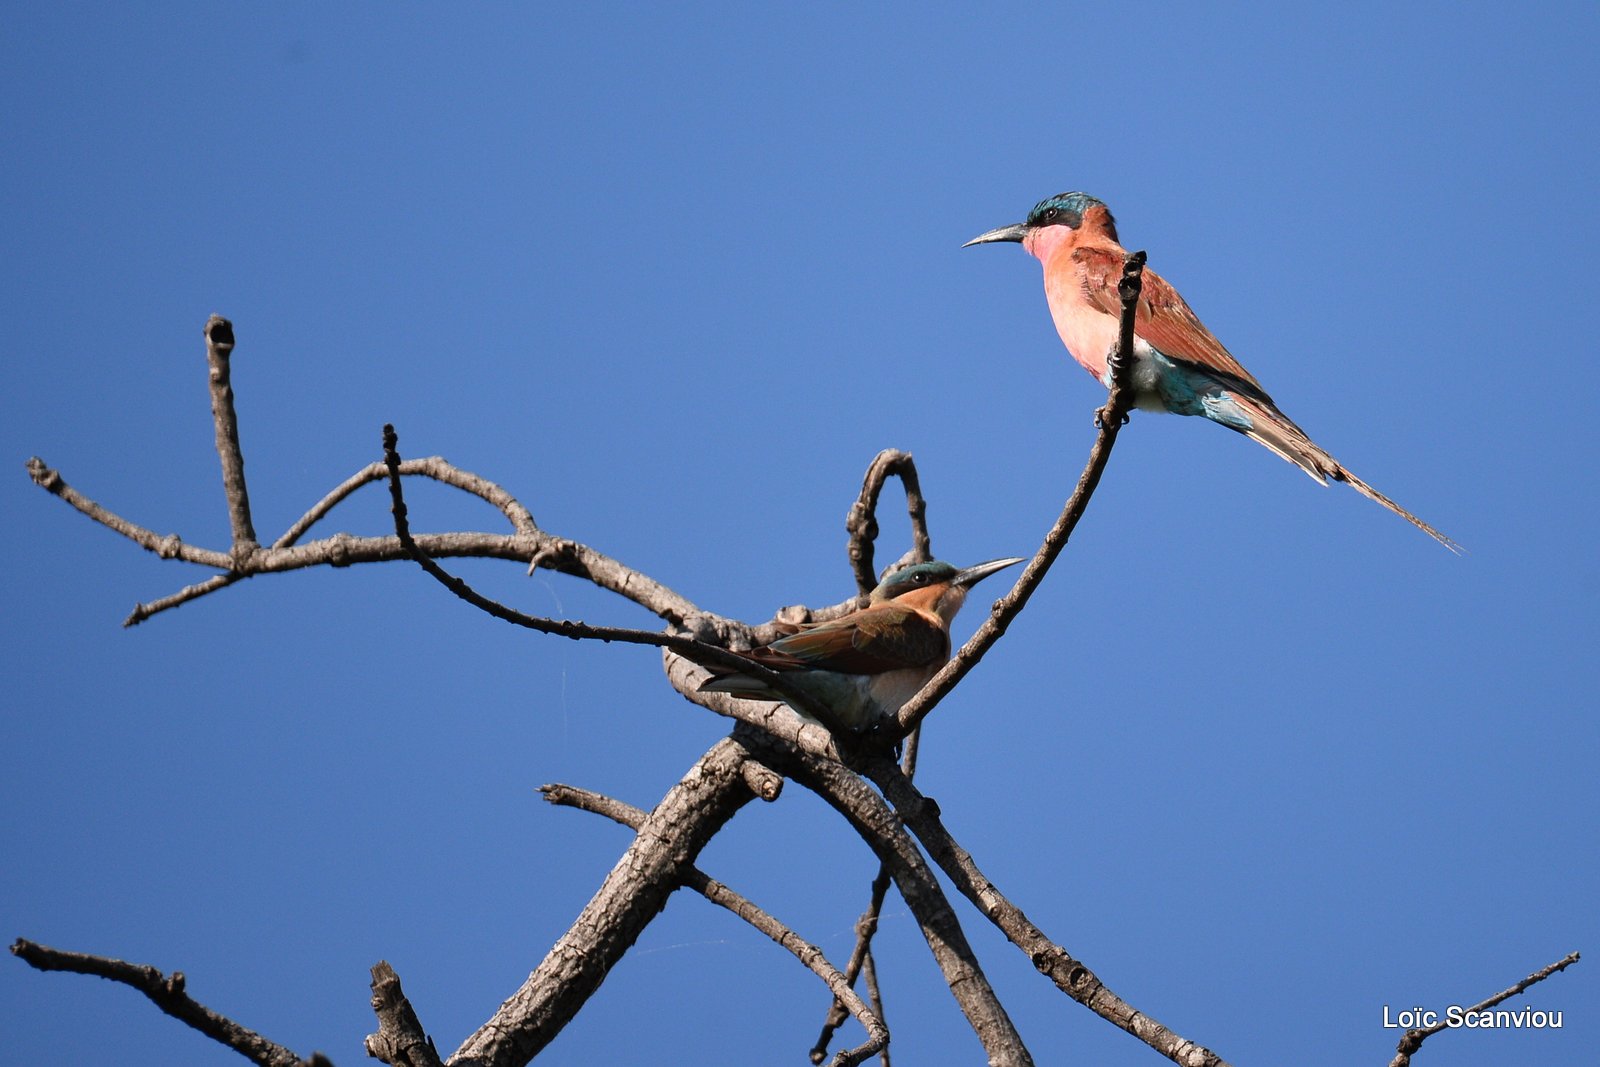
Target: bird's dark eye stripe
1055, 215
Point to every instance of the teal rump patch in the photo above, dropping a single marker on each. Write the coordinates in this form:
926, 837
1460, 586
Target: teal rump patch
1186, 391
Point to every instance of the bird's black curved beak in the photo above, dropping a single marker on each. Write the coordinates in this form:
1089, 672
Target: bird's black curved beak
979, 571
1015, 232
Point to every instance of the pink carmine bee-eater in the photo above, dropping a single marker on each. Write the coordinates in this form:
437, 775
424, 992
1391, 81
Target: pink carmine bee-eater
1178, 365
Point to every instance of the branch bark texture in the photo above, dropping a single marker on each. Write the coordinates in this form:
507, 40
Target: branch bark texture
661, 855
808, 954
1071, 976
882, 831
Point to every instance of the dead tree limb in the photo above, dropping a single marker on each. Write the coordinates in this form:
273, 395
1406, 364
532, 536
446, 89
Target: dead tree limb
882, 831
168, 993
665, 847
400, 1040
723, 896
862, 522
1071, 976
866, 927
667, 841
219, 349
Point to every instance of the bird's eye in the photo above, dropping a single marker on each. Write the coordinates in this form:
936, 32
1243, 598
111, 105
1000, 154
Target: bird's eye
1051, 214
920, 579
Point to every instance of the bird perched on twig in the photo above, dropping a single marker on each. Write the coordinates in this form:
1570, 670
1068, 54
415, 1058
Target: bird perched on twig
863, 666
1178, 365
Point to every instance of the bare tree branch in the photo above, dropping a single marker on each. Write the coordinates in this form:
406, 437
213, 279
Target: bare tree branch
571, 628
400, 1040
168, 994
862, 522
1413, 1039
668, 839
528, 544
866, 926
860, 956
1072, 977
883, 832
768, 716
667, 844
219, 348
720, 894
340, 545
170, 546
869, 971
246, 558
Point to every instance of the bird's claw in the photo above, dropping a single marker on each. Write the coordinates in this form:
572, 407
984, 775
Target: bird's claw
1101, 415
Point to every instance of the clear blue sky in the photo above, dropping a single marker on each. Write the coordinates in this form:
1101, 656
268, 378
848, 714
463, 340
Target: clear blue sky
1262, 755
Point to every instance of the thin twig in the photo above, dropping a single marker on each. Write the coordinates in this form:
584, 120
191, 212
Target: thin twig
435, 467
169, 546
219, 350
1413, 1039
1109, 419
688, 647
862, 522
866, 926
168, 994
1071, 976
718, 893
869, 971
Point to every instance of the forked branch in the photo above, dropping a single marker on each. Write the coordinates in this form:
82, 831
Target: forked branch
862, 522
698, 651
667, 845
723, 780
883, 832
716, 892
1071, 976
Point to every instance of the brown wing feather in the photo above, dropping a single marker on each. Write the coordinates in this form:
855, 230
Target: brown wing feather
886, 638
1163, 318
900, 637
